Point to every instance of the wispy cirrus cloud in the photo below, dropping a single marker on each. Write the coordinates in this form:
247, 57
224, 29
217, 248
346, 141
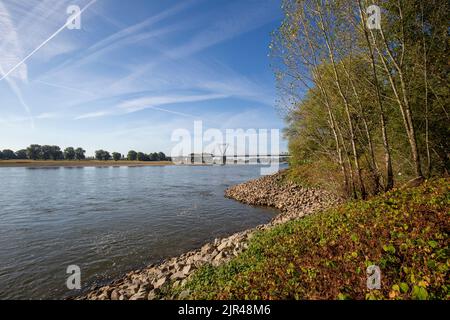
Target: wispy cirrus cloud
10, 52
96, 114
127, 36
151, 102
178, 60
224, 28
41, 45
154, 101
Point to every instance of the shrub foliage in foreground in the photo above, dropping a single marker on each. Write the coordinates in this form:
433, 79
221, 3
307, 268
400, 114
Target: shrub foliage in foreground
325, 256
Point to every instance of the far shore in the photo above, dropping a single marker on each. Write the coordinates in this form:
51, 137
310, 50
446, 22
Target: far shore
81, 163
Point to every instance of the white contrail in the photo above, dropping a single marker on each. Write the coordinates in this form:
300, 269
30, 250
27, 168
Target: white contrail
64, 87
46, 41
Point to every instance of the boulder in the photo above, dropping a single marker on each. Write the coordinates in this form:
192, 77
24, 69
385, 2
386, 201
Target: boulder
115, 295
160, 282
187, 269
178, 276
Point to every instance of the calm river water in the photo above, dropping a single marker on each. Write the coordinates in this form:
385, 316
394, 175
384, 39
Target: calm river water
109, 221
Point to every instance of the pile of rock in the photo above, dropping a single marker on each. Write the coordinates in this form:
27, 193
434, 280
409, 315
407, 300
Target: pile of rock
152, 282
292, 200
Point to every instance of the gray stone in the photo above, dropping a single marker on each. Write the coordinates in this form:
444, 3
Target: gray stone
222, 246
151, 295
207, 248
220, 256
146, 286
141, 295
160, 282
133, 288
187, 269
115, 295
103, 296
178, 276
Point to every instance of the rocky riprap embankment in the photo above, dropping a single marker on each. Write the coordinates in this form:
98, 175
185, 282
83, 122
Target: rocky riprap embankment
150, 283
291, 199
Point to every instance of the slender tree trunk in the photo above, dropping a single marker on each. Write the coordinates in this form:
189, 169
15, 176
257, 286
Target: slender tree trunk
335, 130
425, 76
350, 166
346, 105
334, 127
404, 102
372, 163
387, 152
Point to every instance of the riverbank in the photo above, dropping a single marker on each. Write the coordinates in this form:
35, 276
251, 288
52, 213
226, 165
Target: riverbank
336, 254
165, 279
80, 163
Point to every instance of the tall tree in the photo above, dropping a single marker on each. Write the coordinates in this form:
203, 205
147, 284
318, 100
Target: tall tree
80, 154
116, 156
102, 155
364, 98
8, 154
162, 156
132, 155
34, 152
69, 153
21, 154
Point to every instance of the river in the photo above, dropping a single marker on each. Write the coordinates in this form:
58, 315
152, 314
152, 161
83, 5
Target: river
110, 220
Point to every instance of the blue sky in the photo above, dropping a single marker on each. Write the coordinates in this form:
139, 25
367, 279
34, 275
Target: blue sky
135, 71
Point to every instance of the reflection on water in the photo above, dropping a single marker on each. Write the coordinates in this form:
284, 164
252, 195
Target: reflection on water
109, 220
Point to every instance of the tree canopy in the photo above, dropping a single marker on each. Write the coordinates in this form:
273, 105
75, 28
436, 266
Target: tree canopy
366, 108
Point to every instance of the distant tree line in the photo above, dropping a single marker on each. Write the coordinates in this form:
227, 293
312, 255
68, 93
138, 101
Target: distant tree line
47, 152
140, 156
131, 156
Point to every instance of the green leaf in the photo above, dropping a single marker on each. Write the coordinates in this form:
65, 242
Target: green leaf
404, 287
432, 244
342, 296
390, 248
419, 293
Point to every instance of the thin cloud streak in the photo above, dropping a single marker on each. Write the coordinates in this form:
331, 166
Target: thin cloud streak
146, 102
46, 41
93, 115
65, 87
154, 103
125, 36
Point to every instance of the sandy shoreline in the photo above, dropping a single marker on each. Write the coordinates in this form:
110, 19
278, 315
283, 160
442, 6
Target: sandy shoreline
152, 282
79, 164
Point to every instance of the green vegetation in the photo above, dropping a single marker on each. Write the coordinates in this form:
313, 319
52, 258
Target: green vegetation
47, 152
116, 156
102, 155
367, 109
325, 256
79, 163
69, 153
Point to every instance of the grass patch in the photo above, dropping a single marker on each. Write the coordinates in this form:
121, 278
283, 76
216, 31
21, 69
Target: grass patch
325, 256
